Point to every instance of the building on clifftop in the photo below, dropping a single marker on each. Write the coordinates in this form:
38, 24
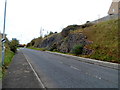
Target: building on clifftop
114, 8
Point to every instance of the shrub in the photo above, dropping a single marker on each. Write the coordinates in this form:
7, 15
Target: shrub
77, 49
13, 45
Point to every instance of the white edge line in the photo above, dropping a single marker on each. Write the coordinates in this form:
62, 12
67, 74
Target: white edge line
35, 73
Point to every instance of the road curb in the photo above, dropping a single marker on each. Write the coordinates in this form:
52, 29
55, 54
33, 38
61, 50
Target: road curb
91, 61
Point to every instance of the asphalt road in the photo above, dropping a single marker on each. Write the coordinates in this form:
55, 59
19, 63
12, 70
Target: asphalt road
61, 72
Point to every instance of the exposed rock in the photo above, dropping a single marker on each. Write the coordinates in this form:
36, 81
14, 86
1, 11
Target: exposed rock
58, 43
71, 40
66, 30
69, 28
49, 41
64, 41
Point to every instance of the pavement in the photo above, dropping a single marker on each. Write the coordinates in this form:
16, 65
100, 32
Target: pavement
58, 71
20, 74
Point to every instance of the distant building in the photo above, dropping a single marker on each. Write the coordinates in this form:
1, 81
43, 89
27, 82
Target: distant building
114, 8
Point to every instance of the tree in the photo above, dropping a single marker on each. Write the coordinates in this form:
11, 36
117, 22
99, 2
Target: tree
13, 45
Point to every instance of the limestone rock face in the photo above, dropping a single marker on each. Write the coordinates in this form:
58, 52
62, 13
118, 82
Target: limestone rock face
49, 41
67, 30
65, 44
66, 40
71, 40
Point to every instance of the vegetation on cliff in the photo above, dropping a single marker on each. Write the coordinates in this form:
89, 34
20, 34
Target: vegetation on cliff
104, 36
99, 41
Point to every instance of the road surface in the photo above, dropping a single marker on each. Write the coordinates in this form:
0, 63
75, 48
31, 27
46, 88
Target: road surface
61, 72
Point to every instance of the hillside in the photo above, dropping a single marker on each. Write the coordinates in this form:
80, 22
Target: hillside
105, 40
99, 41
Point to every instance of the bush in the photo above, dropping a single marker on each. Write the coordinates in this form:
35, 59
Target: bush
13, 45
13, 48
77, 49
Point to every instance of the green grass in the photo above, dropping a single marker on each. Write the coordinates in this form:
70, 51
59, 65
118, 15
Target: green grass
39, 49
104, 36
8, 58
43, 49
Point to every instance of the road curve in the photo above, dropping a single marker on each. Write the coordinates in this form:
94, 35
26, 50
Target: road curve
62, 72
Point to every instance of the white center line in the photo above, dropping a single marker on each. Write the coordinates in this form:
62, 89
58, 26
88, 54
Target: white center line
85, 73
74, 67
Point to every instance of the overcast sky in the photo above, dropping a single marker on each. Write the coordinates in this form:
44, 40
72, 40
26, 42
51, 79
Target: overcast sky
26, 17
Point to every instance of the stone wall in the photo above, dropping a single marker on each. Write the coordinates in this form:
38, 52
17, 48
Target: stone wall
106, 18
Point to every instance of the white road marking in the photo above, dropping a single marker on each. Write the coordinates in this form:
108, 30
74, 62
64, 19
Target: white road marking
35, 73
86, 72
74, 67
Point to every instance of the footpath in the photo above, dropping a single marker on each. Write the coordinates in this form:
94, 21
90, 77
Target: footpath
19, 74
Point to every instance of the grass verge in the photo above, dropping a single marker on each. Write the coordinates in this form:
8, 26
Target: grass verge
8, 58
84, 56
39, 49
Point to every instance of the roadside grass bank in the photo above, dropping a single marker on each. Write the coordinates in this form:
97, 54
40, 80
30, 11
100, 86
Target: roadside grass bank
101, 41
39, 49
10, 50
8, 58
43, 49
105, 40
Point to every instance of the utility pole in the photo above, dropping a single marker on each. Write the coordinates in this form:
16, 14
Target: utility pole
3, 35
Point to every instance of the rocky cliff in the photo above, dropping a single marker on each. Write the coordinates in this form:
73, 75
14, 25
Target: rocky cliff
64, 41
99, 41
